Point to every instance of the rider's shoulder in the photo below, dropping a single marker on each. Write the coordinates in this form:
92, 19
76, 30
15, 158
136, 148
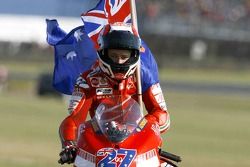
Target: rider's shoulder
93, 72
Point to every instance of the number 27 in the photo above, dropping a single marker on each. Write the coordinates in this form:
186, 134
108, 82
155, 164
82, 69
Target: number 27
122, 156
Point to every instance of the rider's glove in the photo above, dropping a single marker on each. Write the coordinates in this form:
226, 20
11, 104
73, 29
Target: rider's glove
67, 155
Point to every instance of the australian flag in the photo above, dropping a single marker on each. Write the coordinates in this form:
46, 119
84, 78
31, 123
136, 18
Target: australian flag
75, 52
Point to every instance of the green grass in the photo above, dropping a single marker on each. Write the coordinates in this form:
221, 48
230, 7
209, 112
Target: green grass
29, 130
23, 75
27, 68
209, 130
205, 130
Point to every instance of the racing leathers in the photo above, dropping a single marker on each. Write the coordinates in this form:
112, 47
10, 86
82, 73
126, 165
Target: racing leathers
93, 86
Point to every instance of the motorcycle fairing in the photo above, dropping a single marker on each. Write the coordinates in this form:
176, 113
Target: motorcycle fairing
148, 159
139, 148
85, 159
118, 158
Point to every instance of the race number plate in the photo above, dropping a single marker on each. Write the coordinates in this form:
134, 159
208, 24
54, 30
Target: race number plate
110, 157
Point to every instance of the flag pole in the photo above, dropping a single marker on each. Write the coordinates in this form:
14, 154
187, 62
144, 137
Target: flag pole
133, 14
138, 69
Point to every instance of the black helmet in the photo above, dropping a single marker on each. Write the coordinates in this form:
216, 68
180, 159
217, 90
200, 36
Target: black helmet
118, 36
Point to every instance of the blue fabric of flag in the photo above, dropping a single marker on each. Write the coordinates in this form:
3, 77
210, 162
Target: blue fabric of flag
149, 68
74, 53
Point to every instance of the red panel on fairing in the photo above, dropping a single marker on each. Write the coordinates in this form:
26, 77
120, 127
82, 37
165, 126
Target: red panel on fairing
143, 141
91, 141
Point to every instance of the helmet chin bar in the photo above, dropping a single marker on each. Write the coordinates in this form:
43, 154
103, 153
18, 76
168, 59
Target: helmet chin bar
106, 68
131, 70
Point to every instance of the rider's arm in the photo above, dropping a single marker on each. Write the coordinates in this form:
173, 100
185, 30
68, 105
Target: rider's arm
78, 109
156, 106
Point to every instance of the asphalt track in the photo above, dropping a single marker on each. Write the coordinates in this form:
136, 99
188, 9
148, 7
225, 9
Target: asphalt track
206, 88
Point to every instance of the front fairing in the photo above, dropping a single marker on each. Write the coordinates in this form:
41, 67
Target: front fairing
139, 147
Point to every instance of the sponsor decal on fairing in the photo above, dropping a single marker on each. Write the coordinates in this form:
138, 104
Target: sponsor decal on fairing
148, 159
85, 159
81, 129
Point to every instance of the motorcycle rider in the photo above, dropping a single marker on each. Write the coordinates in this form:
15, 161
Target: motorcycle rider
114, 74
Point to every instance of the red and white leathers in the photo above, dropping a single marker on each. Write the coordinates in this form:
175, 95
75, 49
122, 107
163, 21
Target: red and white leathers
93, 86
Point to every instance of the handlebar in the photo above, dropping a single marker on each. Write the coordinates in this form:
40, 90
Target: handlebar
170, 156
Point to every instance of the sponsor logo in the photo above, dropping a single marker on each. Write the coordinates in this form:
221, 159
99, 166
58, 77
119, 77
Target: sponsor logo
94, 81
86, 155
81, 129
93, 72
77, 94
159, 97
130, 86
156, 89
141, 125
75, 100
103, 82
147, 155
104, 91
104, 96
156, 129
149, 158
98, 81
163, 106
81, 82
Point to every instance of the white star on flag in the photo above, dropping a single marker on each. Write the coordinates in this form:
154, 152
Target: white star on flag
78, 34
71, 55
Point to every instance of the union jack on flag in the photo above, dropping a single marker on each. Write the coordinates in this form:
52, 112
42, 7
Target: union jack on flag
105, 12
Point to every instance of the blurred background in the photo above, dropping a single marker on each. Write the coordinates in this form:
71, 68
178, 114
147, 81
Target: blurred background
203, 52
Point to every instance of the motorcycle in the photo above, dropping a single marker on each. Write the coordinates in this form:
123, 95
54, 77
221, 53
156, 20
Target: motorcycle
120, 136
